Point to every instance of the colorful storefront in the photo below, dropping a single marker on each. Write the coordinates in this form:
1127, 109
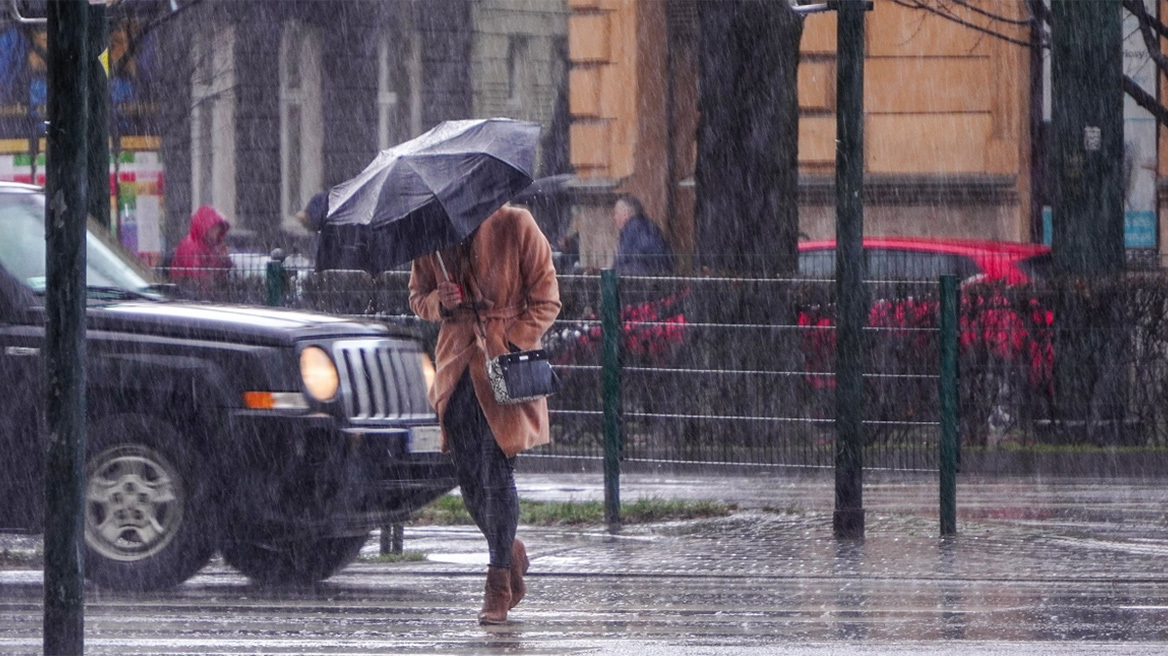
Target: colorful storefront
136, 170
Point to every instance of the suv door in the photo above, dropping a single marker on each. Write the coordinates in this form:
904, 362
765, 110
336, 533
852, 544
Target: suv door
21, 424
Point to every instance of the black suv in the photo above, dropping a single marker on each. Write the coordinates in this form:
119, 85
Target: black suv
280, 438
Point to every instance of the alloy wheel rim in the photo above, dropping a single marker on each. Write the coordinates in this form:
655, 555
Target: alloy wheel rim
133, 503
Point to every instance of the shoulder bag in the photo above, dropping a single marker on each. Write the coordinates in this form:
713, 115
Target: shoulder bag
521, 376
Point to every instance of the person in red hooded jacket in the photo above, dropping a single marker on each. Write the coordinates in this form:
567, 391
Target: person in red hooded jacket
202, 255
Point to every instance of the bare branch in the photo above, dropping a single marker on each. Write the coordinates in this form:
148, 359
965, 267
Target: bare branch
950, 16
1151, 29
991, 15
1145, 100
134, 42
1138, 10
1151, 42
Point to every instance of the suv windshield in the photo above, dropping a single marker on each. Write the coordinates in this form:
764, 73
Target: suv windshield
22, 250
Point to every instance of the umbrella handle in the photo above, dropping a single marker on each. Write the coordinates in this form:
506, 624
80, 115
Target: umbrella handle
461, 294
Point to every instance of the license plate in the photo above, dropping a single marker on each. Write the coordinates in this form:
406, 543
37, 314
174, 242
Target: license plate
425, 439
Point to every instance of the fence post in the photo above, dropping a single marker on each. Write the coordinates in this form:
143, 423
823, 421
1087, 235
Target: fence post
610, 325
950, 297
848, 518
274, 277
392, 538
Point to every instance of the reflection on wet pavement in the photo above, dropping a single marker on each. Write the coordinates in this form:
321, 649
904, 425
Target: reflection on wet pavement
1035, 568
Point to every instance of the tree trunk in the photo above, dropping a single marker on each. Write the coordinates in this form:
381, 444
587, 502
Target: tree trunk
1087, 131
747, 214
1087, 231
747, 171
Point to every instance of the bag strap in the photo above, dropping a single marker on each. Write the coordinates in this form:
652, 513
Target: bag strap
466, 272
481, 336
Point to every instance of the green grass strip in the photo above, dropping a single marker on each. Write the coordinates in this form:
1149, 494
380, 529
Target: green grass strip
449, 510
406, 556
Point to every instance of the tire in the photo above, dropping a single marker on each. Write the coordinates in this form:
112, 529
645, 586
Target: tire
146, 519
302, 562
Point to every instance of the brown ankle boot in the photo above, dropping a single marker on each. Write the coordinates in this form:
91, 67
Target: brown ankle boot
519, 565
497, 598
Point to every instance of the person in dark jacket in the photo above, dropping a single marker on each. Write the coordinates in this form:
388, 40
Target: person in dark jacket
641, 249
312, 216
337, 246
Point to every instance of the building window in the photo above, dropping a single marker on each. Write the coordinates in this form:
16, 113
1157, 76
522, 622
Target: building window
301, 118
414, 76
520, 85
399, 90
213, 120
389, 123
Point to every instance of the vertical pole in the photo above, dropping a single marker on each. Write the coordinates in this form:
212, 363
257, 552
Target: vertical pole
610, 325
99, 102
397, 544
1038, 137
848, 519
950, 297
392, 539
65, 353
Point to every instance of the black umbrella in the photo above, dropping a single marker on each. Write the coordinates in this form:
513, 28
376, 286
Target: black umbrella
549, 200
432, 191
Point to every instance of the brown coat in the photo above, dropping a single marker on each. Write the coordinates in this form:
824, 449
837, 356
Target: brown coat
511, 276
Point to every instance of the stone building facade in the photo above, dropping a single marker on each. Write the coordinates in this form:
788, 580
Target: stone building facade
253, 107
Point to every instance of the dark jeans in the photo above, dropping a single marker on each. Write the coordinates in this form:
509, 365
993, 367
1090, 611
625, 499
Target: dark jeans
485, 474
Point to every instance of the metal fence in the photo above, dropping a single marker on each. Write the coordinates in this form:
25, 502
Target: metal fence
714, 370
739, 370
1067, 362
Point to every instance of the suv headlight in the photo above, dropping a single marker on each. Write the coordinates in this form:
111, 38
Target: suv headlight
319, 373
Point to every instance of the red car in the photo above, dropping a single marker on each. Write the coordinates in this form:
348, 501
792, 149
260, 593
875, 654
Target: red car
1006, 339
928, 258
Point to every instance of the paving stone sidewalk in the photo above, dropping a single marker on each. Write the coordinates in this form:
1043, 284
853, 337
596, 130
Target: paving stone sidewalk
1040, 530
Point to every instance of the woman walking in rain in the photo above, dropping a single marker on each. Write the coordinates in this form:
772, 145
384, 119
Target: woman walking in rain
496, 287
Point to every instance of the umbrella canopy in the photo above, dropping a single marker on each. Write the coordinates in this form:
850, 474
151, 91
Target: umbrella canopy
430, 192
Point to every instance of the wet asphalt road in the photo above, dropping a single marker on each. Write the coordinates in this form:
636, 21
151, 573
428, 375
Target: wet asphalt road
1064, 567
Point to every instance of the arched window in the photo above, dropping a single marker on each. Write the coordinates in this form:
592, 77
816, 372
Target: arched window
301, 117
213, 120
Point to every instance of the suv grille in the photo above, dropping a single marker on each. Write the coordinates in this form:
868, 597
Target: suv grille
381, 379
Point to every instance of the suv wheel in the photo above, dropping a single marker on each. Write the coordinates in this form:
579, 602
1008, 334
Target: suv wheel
147, 524
297, 562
